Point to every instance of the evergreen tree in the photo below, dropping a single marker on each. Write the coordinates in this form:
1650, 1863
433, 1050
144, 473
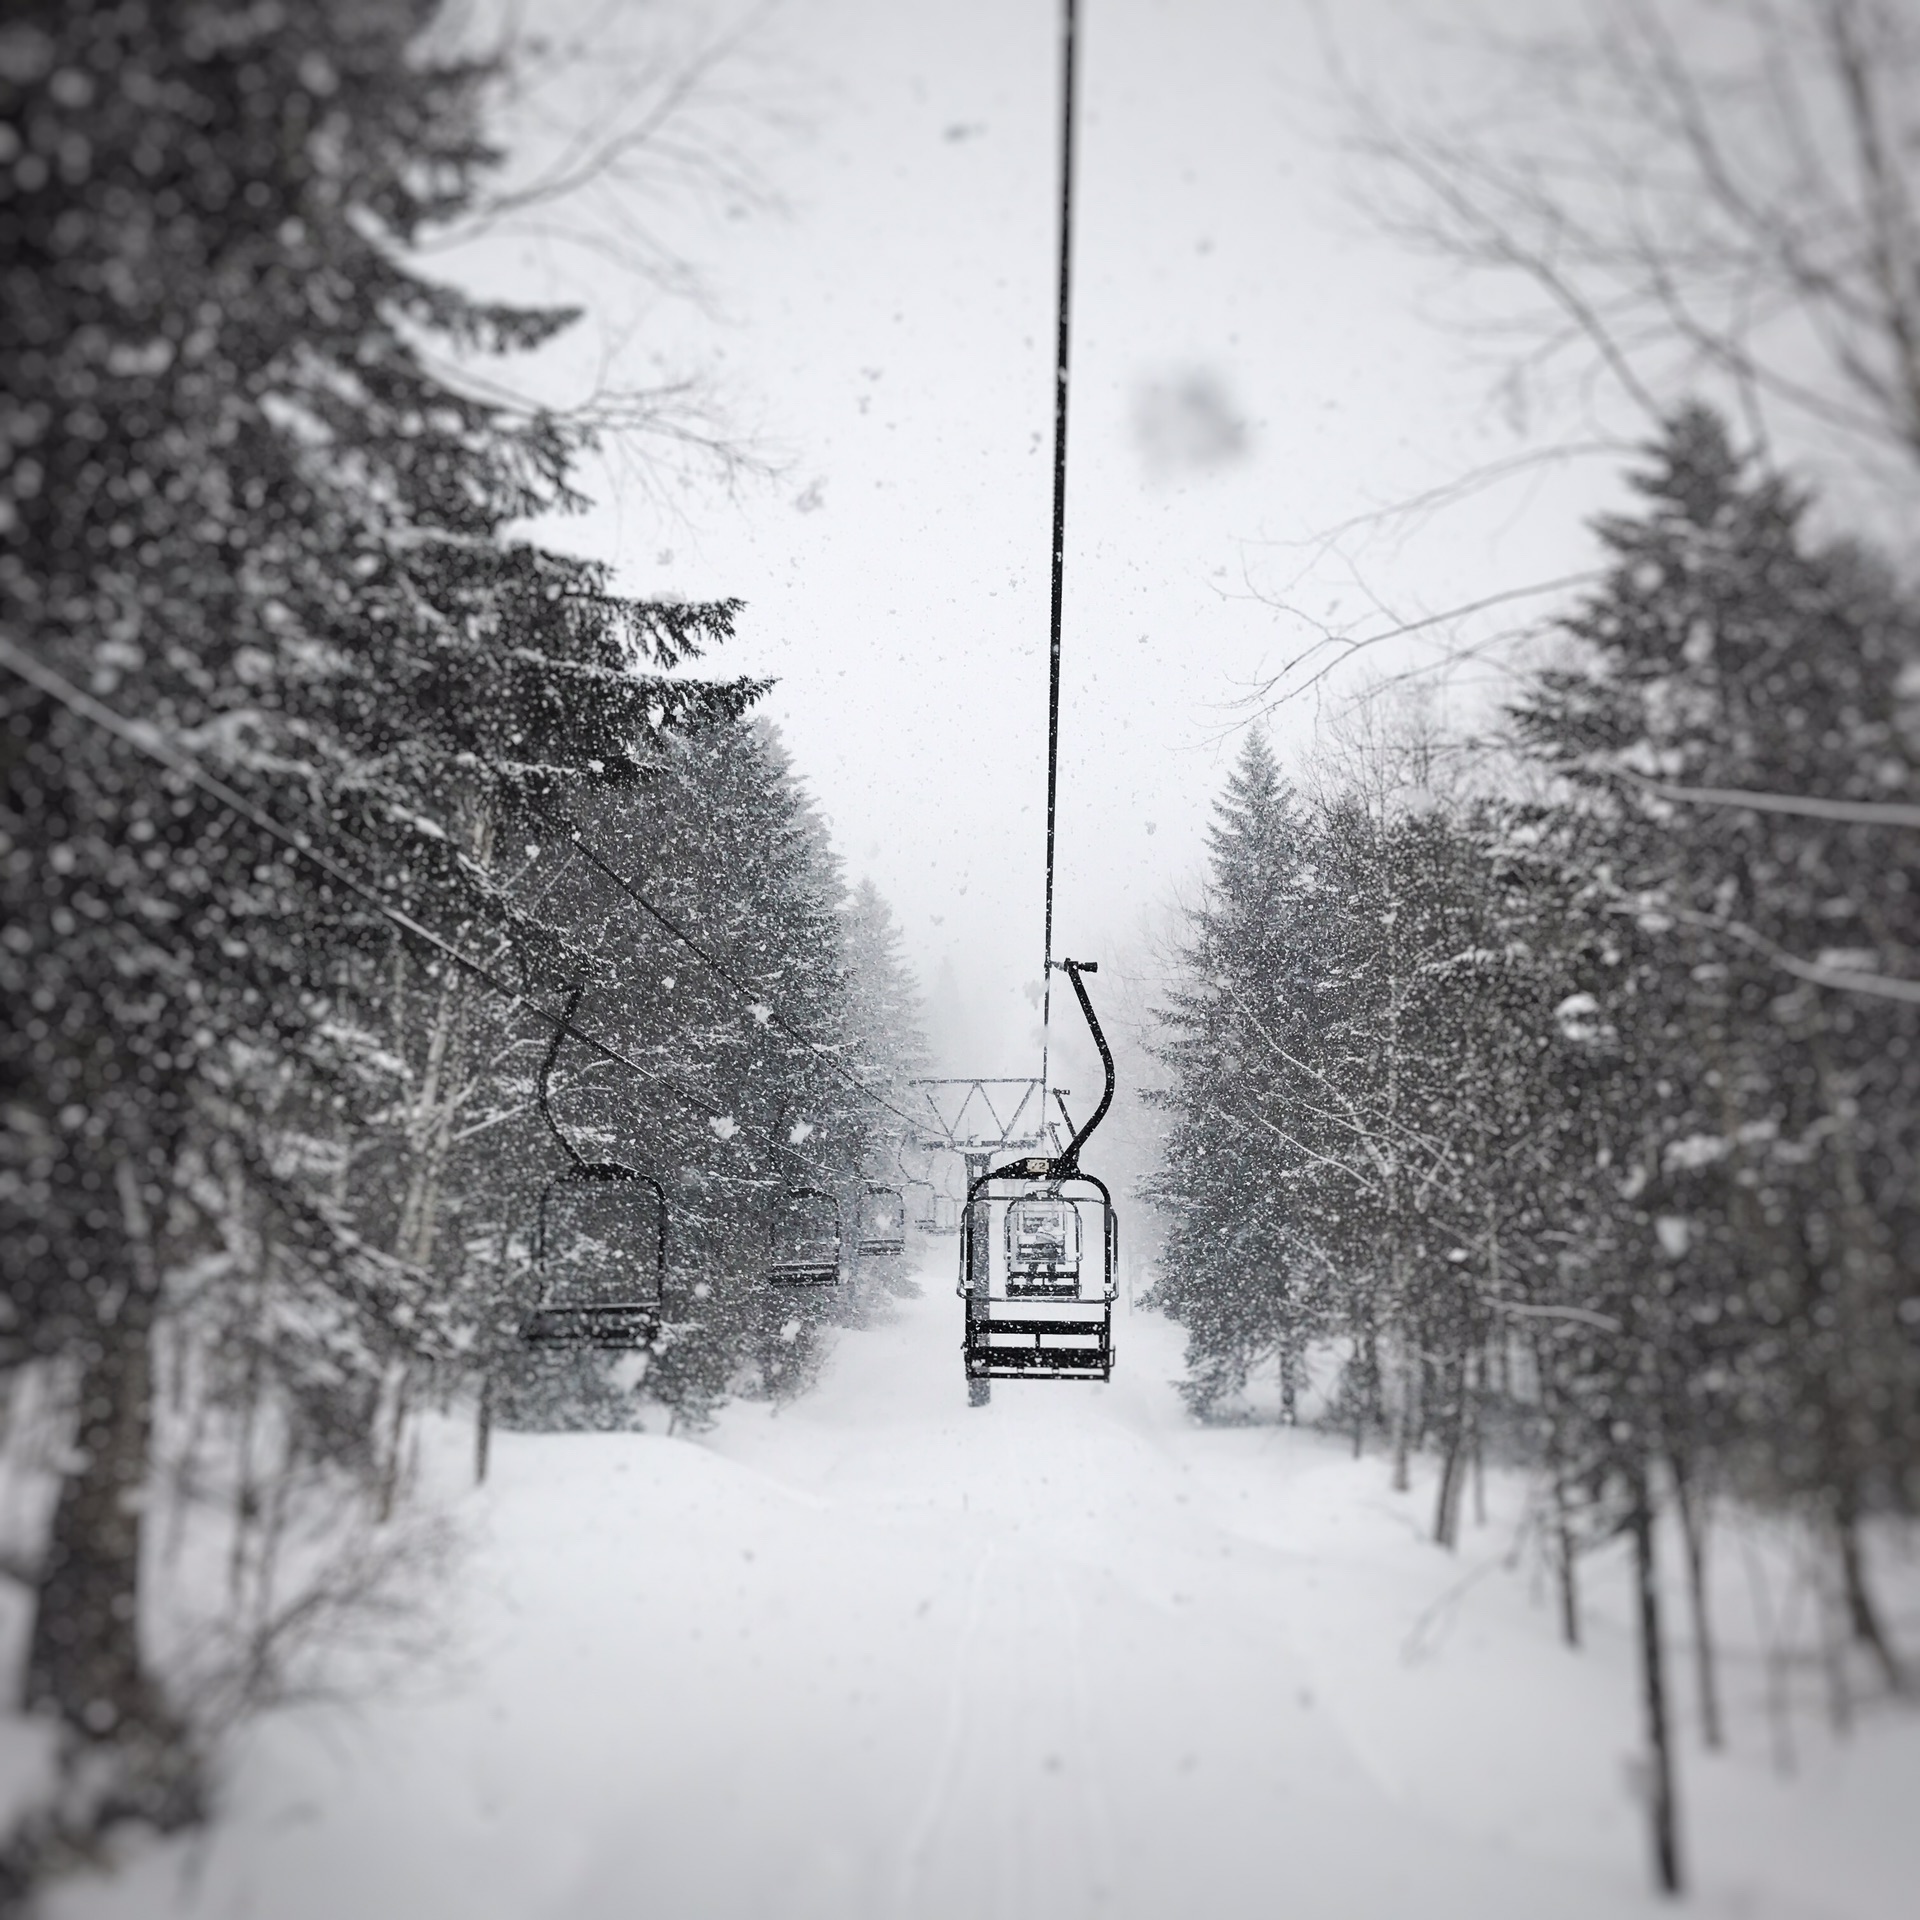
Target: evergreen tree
246, 510
1595, 1115
1728, 651
757, 1095
1236, 1273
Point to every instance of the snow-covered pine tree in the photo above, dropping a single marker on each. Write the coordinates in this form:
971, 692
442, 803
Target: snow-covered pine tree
722, 839
887, 1016
248, 511
1729, 650
1237, 1272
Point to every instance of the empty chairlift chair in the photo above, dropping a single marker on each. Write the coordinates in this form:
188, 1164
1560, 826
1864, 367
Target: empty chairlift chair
804, 1239
600, 1251
926, 1216
599, 1241
882, 1231
1039, 1251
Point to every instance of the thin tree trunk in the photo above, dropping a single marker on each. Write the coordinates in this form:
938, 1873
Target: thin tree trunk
1564, 1566
246, 1494
1404, 1416
1366, 1401
1662, 1808
1863, 1616
1476, 1447
1446, 1505
1459, 1441
1694, 1515
1830, 1607
430, 1131
183, 1479
483, 1429
396, 1439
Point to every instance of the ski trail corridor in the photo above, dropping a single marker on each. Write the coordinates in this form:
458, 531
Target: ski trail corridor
877, 1654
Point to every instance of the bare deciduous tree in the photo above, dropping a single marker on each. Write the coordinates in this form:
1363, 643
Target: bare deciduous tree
1694, 199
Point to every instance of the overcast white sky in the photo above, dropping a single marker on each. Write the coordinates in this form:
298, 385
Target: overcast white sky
1252, 367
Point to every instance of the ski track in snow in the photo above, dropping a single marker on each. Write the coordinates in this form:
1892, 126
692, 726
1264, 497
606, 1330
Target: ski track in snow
876, 1655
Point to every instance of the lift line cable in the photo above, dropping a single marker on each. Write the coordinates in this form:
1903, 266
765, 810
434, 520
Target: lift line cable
1062, 340
144, 740
726, 973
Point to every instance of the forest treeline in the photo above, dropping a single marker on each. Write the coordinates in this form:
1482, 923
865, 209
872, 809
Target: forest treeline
1573, 1107
302, 745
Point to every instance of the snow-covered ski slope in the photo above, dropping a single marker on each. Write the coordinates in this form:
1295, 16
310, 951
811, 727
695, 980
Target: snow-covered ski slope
877, 1654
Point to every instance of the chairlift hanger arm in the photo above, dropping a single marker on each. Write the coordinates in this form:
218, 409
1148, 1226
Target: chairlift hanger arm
1073, 969
541, 1085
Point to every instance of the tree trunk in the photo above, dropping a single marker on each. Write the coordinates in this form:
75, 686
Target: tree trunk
483, 1429
1564, 1565
1366, 1400
1289, 1387
1403, 1420
1863, 1616
430, 1126
1693, 1529
1477, 1457
1446, 1505
1563, 1546
1459, 1440
388, 1467
1662, 1810
84, 1658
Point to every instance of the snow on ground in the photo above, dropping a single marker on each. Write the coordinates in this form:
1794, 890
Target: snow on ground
879, 1654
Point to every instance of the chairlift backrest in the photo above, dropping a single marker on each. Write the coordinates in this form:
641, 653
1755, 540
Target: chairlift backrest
1043, 1237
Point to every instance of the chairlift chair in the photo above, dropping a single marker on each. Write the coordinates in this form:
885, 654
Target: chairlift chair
1039, 1250
882, 1228
926, 1214
596, 1225
804, 1239
940, 1212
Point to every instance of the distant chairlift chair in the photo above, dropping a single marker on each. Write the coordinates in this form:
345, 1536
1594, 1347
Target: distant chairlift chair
804, 1239
882, 1231
599, 1244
